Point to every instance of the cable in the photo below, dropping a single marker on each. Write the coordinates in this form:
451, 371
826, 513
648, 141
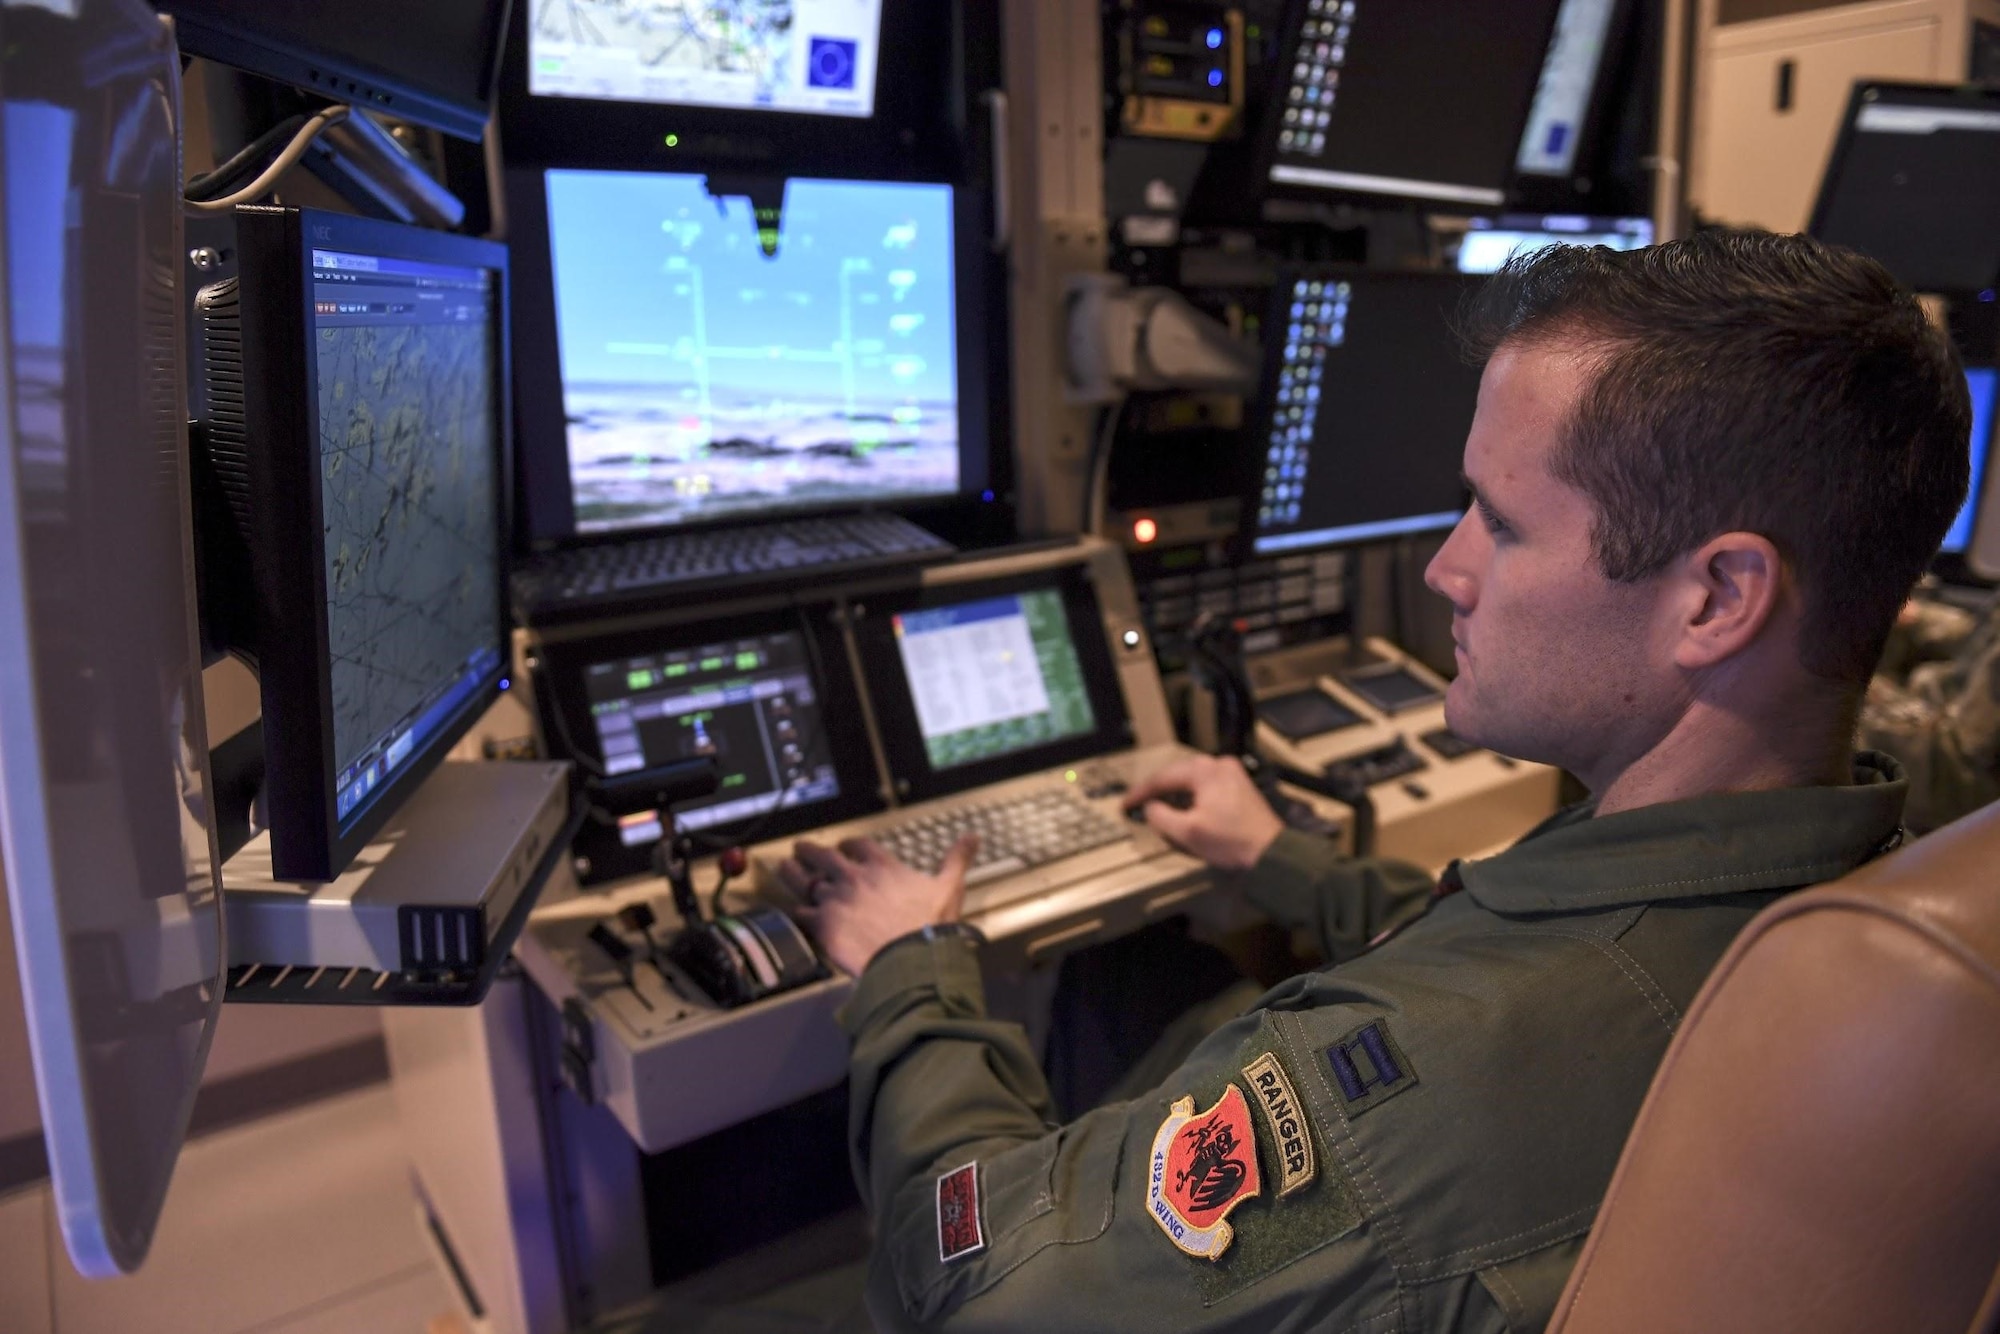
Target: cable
1097, 481
208, 184
283, 163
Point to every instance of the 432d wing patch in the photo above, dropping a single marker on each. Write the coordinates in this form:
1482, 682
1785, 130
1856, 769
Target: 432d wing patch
1203, 1166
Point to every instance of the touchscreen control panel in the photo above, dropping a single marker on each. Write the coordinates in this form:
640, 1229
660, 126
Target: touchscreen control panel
750, 704
992, 677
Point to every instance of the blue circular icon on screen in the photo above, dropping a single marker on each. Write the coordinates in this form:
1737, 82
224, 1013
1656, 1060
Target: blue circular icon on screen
830, 63
1214, 38
1215, 78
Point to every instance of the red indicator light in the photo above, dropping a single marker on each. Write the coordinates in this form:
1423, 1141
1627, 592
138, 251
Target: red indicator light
1144, 531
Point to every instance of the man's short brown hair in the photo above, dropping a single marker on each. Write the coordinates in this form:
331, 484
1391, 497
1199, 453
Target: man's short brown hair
1750, 382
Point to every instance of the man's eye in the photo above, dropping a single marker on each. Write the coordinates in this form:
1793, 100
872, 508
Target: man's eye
1494, 523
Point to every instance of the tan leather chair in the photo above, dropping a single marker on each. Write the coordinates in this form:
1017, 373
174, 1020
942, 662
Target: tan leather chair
1820, 1151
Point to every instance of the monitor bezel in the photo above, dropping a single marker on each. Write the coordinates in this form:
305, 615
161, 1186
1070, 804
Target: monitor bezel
309, 841
562, 705
1445, 197
544, 492
1250, 486
336, 75
1943, 95
896, 712
902, 135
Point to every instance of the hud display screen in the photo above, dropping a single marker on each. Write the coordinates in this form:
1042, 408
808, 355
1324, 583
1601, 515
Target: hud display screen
705, 379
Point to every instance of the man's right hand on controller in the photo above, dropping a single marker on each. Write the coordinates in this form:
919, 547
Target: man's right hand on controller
1221, 818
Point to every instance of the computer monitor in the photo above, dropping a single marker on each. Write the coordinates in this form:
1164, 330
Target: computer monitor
1914, 182
1490, 242
974, 684
357, 446
436, 62
1366, 400
768, 697
1417, 100
814, 56
677, 374
1560, 116
1982, 382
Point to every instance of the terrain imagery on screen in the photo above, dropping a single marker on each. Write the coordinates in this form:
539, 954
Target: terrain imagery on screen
703, 379
407, 488
787, 55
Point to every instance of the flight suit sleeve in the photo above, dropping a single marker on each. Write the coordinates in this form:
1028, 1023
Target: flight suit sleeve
1303, 881
931, 1074
988, 1216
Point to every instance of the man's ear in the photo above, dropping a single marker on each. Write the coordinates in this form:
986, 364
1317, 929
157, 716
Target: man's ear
1737, 582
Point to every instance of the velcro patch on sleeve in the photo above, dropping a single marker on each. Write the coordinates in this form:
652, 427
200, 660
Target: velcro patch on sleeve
1291, 1140
1369, 1068
959, 1231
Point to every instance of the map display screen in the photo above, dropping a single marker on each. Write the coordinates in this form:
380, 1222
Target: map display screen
992, 677
409, 487
749, 704
705, 379
814, 56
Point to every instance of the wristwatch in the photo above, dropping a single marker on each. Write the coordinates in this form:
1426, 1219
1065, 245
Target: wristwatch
939, 931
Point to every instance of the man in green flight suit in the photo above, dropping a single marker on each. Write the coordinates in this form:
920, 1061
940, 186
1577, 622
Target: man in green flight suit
1705, 477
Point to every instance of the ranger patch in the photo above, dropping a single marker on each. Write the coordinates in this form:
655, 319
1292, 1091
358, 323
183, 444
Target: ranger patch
1203, 1167
1273, 1093
959, 1231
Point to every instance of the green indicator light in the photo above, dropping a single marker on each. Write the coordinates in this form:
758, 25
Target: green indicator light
736, 780
673, 141
677, 669
746, 661
638, 680
714, 664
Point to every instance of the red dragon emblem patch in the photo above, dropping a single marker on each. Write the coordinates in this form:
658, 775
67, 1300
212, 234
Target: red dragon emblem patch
1203, 1166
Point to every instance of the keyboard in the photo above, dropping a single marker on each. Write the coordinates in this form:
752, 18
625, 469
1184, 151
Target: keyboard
1016, 833
636, 575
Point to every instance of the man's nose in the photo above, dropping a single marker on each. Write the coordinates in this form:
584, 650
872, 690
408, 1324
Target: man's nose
1448, 574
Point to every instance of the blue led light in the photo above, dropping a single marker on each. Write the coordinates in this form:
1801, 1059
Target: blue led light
1214, 38
1215, 78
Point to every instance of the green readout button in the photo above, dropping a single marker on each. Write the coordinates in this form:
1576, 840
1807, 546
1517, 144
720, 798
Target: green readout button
638, 680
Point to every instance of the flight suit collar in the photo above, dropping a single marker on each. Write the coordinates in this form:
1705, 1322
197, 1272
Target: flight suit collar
1726, 843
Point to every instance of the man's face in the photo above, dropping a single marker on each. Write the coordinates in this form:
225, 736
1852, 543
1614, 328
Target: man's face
1556, 663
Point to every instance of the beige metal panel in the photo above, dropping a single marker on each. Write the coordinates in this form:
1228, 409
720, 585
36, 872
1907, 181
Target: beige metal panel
1670, 151
1763, 166
1054, 79
1750, 162
465, 1101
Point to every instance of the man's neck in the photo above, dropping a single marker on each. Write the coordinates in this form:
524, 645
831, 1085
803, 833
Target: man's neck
1713, 749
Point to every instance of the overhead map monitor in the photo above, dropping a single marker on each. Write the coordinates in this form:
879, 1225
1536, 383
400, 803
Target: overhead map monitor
360, 477
813, 56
